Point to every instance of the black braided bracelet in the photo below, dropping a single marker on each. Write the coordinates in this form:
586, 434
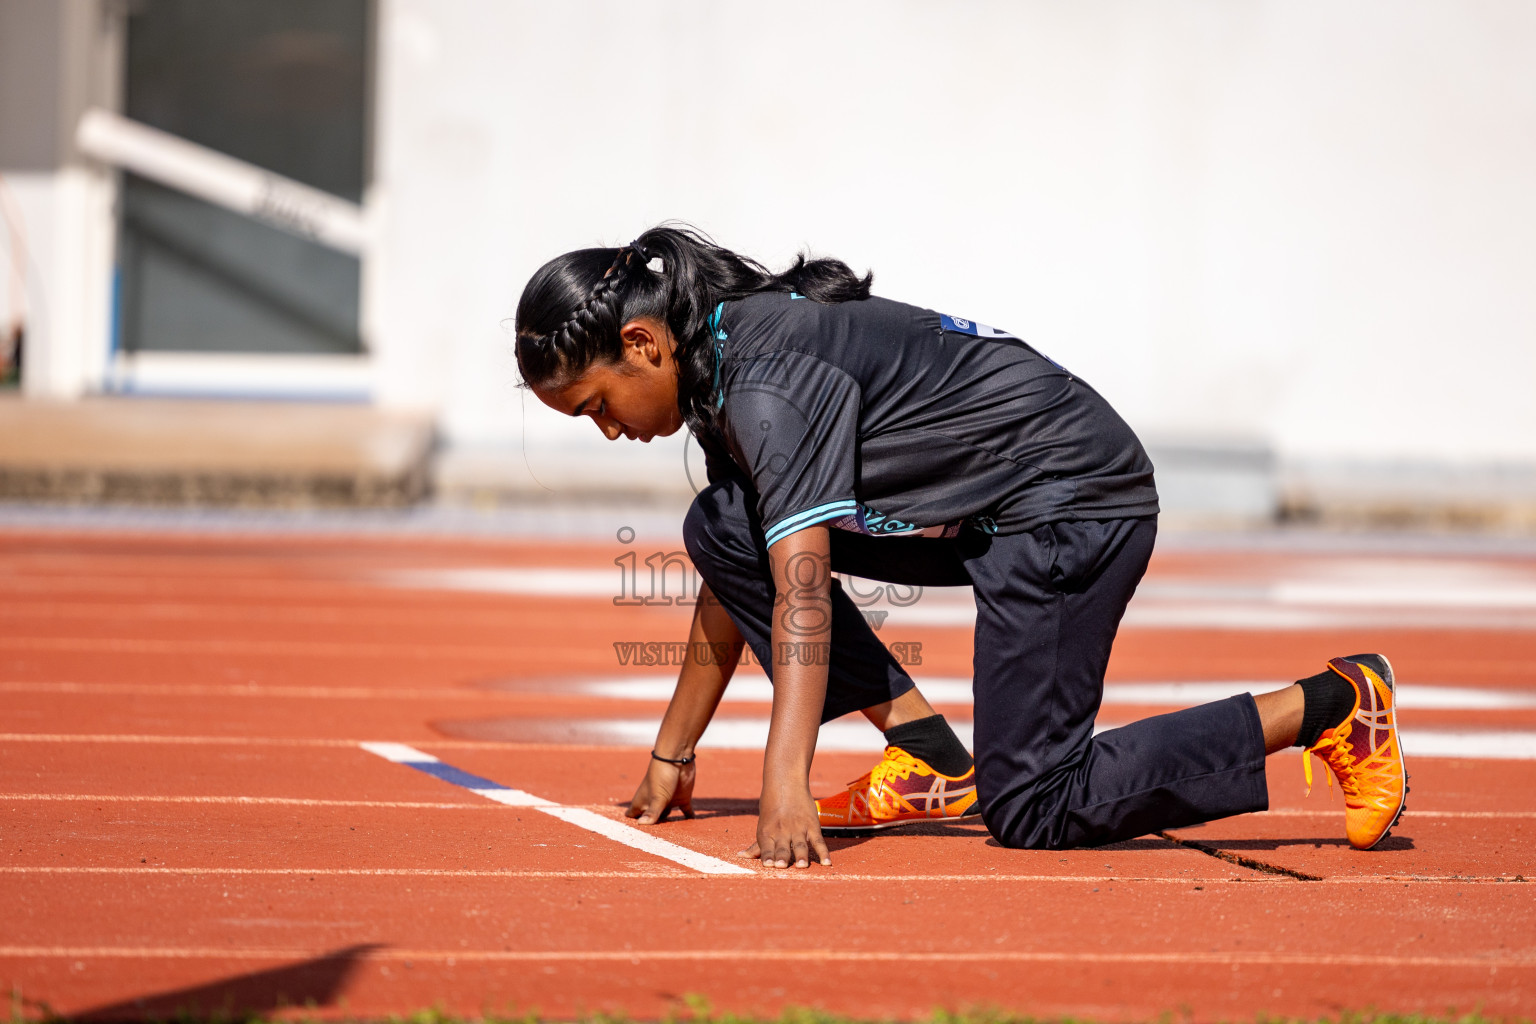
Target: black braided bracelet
676, 760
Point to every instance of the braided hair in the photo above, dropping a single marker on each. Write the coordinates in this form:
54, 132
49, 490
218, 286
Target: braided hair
573, 308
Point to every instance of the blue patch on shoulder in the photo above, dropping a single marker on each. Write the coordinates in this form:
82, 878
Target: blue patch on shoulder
962, 326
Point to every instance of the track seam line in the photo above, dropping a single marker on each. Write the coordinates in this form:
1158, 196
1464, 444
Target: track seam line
581, 817
282, 692
1240, 860
424, 805
797, 878
343, 872
779, 955
277, 801
290, 741
276, 648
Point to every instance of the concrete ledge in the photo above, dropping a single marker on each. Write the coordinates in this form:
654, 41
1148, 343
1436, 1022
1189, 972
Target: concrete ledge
1410, 495
597, 470
189, 453
1214, 484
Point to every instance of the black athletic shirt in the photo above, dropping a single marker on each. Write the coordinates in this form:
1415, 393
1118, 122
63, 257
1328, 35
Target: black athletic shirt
888, 419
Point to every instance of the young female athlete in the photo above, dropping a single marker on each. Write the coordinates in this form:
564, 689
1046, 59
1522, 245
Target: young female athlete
848, 433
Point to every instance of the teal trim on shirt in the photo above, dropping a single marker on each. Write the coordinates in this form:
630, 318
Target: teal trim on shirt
714, 327
810, 517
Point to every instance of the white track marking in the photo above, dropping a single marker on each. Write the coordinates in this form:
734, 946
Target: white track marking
369, 693
957, 690
270, 741
554, 582
630, 836
514, 798
859, 737
1404, 592
401, 754
1301, 813
497, 653
279, 801
1502, 745
756, 690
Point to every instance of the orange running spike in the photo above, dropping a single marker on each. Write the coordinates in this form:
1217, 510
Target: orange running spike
1364, 753
901, 789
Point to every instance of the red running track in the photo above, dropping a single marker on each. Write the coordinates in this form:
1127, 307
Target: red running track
187, 820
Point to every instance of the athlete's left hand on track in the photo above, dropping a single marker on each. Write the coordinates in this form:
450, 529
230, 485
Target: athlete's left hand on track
664, 787
788, 831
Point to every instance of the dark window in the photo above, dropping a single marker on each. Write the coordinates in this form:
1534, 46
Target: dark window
284, 85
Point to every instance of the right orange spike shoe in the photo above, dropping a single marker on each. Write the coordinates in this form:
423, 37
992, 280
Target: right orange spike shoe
1364, 752
900, 790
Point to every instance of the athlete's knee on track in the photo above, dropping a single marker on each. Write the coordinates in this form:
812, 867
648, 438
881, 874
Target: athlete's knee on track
1024, 820
1018, 831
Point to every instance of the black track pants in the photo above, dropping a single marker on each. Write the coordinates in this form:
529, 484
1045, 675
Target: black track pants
1048, 604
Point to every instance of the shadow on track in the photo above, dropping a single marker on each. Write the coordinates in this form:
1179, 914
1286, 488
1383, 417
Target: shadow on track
1388, 844
314, 982
722, 807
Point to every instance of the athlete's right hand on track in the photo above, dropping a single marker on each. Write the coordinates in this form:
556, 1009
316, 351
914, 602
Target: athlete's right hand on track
664, 787
788, 829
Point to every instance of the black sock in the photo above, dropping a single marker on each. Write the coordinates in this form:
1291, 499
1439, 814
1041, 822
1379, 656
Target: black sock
1329, 699
932, 740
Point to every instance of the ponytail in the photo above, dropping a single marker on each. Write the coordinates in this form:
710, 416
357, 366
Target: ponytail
572, 309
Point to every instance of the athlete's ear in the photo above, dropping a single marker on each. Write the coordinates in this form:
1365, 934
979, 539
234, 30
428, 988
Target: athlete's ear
645, 336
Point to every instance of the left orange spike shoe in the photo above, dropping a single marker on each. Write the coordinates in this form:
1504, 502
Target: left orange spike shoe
1364, 752
900, 790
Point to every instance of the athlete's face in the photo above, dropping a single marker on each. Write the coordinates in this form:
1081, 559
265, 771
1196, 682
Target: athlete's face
635, 397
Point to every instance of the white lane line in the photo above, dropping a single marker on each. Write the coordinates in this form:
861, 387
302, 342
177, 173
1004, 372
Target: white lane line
756, 690
859, 737
1413, 696
1415, 813
418, 805
630, 836
274, 741
552, 582
399, 753
279, 801
345, 872
821, 876
242, 690
1490, 594
191, 741
636, 956
675, 873
957, 690
1386, 585
1507, 745
752, 734
578, 816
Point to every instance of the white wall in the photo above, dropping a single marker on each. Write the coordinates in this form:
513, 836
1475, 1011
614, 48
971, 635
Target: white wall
1306, 223
57, 57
